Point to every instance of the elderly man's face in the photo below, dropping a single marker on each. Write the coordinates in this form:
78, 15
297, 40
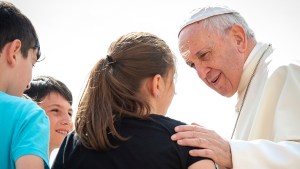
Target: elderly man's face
217, 59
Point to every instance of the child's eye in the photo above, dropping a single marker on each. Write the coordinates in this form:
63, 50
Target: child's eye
55, 110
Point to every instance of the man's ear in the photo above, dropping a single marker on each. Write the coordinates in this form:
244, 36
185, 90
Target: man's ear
240, 37
12, 50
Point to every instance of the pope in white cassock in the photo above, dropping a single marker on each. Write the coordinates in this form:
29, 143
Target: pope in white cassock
219, 45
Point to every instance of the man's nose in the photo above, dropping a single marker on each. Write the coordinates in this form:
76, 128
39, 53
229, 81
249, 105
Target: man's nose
202, 71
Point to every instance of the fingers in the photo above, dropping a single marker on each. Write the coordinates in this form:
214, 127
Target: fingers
202, 153
194, 142
218, 151
196, 124
204, 145
214, 150
187, 131
190, 131
210, 144
193, 127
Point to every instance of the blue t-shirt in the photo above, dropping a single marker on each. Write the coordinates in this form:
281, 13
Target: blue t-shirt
24, 130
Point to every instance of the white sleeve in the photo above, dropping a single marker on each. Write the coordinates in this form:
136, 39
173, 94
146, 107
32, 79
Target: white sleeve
264, 154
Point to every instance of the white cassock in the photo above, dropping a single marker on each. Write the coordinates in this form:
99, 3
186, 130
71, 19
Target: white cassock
267, 134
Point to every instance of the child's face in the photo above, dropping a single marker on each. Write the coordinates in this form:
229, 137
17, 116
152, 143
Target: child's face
168, 91
60, 112
24, 71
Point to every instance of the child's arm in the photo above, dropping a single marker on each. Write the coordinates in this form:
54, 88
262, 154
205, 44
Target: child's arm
29, 162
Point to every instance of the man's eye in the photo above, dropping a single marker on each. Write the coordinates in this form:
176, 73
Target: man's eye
192, 65
203, 56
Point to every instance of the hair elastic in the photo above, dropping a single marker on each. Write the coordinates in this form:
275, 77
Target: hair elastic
110, 59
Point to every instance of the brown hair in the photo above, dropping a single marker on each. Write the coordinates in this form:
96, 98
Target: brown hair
15, 25
112, 90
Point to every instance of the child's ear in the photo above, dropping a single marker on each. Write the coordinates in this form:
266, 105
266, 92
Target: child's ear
155, 85
13, 49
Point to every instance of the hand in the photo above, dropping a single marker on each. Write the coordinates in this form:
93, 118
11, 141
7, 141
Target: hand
210, 143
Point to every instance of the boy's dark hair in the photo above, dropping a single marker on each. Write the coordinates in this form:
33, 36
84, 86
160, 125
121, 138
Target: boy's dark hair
42, 86
14, 25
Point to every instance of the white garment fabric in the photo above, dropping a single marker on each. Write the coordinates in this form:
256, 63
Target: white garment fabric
267, 135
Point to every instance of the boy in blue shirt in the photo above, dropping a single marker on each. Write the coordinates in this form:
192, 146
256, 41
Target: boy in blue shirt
24, 126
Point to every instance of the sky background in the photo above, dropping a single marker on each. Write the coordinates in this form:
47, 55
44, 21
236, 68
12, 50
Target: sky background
74, 35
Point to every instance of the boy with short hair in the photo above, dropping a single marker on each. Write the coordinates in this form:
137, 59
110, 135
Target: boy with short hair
24, 126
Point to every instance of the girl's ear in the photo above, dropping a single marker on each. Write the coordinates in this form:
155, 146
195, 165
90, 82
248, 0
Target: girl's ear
239, 35
155, 85
13, 49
